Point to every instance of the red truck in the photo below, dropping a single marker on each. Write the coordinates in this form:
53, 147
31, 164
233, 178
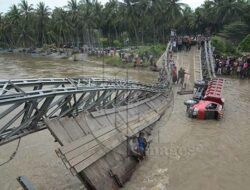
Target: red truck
207, 102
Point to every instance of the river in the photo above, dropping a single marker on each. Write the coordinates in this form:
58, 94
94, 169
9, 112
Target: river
184, 154
188, 154
36, 157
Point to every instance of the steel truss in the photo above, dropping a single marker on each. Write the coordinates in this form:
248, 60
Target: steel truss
25, 103
207, 61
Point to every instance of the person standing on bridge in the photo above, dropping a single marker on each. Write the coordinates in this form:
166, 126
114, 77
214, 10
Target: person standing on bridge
174, 74
179, 42
181, 74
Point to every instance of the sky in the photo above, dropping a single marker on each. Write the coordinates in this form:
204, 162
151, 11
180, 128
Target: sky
5, 4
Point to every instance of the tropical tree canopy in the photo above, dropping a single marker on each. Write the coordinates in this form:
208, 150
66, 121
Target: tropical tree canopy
86, 22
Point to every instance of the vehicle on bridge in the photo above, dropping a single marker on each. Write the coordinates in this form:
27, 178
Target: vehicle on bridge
207, 102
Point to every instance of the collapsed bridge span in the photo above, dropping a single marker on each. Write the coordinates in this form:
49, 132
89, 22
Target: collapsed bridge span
91, 118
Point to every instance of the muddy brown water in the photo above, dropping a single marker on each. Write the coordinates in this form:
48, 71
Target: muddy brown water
36, 157
184, 154
188, 154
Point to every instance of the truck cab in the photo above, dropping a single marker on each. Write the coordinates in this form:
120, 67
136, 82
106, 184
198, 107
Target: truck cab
206, 110
211, 104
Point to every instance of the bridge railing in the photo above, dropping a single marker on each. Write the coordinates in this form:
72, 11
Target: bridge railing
165, 75
207, 61
211, 57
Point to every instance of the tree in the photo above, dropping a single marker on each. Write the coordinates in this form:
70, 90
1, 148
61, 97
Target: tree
235, 31
12, 25
73, 11
185, 23
140, 21
60, 25
227, 11
245, 44
175, 9
42, 13
25, 36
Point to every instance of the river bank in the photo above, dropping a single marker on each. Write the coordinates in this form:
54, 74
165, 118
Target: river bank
142, 57
67, 54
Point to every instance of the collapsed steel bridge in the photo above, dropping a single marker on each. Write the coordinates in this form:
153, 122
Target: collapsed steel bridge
25, 103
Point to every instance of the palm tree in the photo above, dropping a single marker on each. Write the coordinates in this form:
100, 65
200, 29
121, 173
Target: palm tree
143, 8
161, 18
185, 23
227, 10
73, 9
26, 33
13, 18
3, 40
14, 15
91, 20
130, 18
60, 25
111, 20
175, 9
42, 13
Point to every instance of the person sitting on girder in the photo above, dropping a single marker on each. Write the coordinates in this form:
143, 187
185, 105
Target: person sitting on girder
134, 150
142, 143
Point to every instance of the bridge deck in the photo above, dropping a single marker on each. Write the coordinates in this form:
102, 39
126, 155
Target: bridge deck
89, 137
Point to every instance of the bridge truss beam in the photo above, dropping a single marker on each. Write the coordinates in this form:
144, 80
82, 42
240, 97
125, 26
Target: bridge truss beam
25, 103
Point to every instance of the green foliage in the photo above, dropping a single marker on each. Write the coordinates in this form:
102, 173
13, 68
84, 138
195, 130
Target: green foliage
219, 44
223, 46
118, 23
235, 31
245, 44
155, 50
117, 43
104, 42
230, 48
131, 22
112, 60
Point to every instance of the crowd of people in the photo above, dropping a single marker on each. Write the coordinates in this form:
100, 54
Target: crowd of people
126, 56
184, 43
100, 52
233, 66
